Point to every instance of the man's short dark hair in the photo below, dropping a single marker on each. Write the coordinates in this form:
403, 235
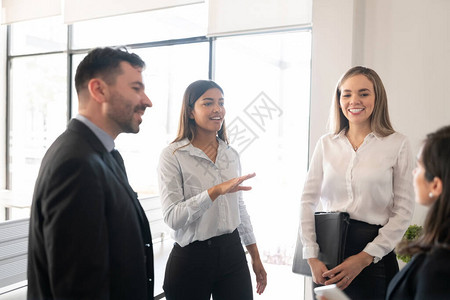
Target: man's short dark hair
104, 63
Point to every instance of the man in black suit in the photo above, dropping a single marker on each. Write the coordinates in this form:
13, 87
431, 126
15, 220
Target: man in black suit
89, 237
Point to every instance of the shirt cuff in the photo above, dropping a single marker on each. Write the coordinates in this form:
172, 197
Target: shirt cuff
248, 238
310, 252
374, 251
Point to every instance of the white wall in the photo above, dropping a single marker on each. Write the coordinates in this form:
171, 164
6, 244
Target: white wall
407, 42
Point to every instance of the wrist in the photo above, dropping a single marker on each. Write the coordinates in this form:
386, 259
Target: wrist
253, 251
213, 193
367, 258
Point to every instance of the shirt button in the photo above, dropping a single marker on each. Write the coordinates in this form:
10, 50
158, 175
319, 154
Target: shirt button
149, 279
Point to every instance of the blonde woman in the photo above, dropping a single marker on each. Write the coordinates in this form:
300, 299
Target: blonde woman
362, 167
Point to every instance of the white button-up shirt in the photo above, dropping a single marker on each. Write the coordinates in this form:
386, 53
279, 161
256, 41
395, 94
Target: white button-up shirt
373, 184
185, 173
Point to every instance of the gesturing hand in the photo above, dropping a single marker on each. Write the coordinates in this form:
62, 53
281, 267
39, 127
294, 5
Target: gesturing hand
233, 185
230, 186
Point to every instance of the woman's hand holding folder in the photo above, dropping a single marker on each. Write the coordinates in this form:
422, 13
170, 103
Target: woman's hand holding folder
318, 268
343, 274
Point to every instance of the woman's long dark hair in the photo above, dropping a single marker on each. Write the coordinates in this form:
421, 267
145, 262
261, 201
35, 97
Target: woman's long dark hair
187, 126
435, 157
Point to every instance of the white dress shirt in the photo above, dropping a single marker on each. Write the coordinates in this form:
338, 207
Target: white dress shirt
185, 173
372, 184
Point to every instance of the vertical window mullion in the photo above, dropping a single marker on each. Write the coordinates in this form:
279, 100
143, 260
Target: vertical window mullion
212, 58
69, 72
7, 107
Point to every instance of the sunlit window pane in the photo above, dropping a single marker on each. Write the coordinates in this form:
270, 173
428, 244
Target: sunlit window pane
158, 25
266, 84
38, 114
37, 36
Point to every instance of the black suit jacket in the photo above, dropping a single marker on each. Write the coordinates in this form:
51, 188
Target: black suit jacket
89, 237
426, 276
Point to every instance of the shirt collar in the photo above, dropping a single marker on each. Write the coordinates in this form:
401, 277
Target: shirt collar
185, 145
105, 139
341, 134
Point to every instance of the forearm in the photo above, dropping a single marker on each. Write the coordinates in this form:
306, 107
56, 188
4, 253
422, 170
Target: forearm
253, 251
365, 258
178, 213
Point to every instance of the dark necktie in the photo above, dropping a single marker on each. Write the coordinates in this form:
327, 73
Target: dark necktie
119, 161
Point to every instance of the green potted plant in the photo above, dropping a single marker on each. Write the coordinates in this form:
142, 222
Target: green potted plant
412, 233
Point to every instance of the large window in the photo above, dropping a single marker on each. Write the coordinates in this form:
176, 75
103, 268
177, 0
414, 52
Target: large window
37, 111
266, 81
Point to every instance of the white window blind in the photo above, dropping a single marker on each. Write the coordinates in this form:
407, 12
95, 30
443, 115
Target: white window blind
224, 17
23, 10
80, 10
240, 16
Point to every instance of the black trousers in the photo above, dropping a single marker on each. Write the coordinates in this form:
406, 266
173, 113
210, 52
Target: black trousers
216, 267
372, 282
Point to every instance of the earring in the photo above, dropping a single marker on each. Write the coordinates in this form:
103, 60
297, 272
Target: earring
430, 195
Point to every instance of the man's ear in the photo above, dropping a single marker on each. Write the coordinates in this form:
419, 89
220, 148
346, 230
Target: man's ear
98, 89
436, 186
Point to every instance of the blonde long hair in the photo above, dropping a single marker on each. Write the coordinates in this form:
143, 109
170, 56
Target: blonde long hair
379, 120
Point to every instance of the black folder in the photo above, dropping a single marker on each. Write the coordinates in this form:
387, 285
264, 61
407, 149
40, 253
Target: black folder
331, 234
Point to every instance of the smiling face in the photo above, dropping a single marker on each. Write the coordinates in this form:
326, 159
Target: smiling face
127, 101
209, 111
357, 100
